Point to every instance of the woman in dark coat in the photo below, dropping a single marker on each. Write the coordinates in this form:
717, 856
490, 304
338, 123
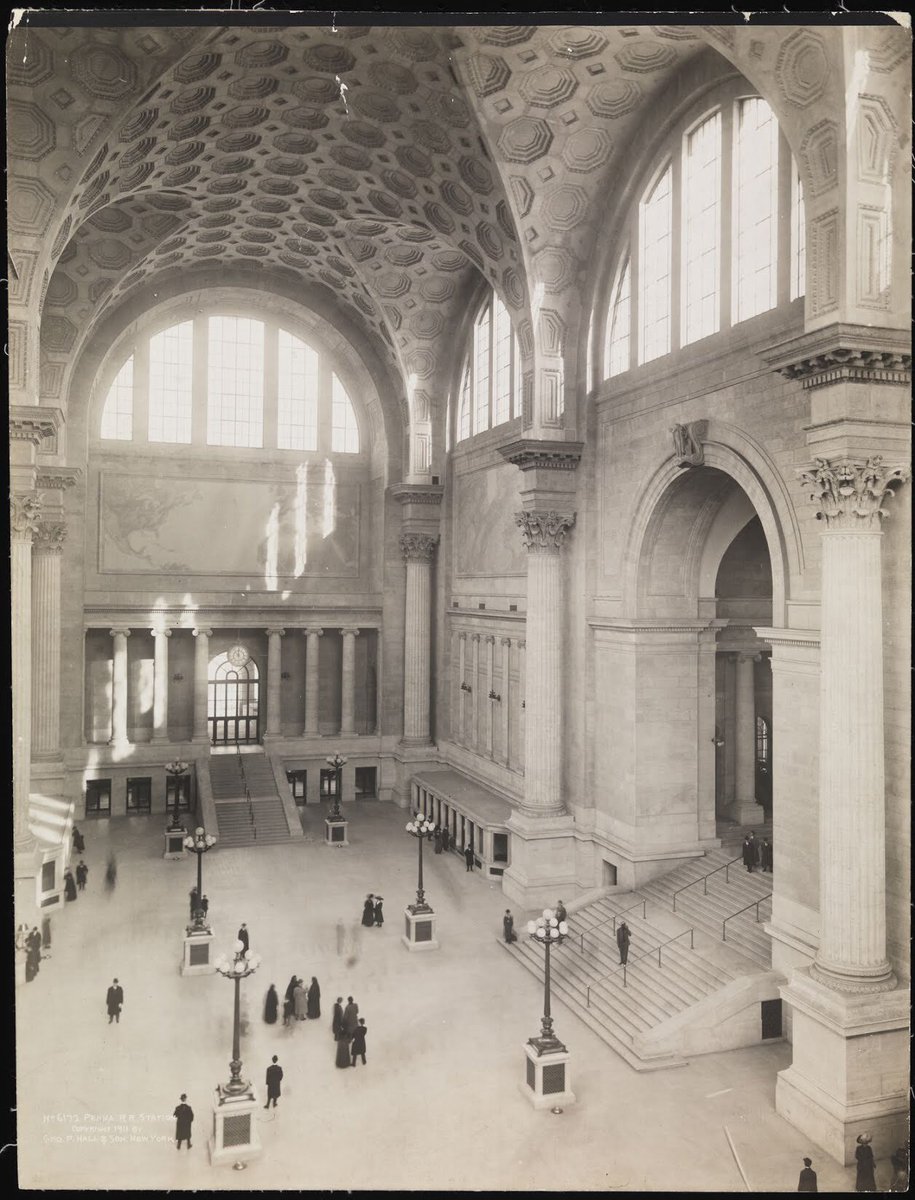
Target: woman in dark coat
337, 1023
79, 844
69, 886
368, 910
865, 1181
342, 1058
289, 1002
271, 1004
314, 999
446, 839
438, 840
377, 911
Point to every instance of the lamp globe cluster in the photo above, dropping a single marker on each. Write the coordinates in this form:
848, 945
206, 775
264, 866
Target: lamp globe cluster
245, 963
546, 927
200, 840
420, 826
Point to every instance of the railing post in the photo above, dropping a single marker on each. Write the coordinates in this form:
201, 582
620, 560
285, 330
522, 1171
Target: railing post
691, 946
624, 974
705, 885
724, 932
644, 904
582, 943
675, 901
589, 996
659, 956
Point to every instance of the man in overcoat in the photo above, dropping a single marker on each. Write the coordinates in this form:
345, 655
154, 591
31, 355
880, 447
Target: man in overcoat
114, 999
184, 1119
274, 1079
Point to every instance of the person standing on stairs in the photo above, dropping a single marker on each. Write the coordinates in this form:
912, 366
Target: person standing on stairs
622, 940
748, 852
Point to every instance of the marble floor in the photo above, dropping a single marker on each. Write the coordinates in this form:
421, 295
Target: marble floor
438, 1104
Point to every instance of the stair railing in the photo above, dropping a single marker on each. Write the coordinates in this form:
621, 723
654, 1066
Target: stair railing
648, 954
639, 904
753, 904
703, 879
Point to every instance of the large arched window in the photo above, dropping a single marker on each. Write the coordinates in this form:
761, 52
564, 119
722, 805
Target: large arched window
716, 237
490, 389
230, 380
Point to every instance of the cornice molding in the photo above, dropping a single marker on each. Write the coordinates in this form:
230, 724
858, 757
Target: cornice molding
844, 353
58, 478
33, 422
417, 493
532, 453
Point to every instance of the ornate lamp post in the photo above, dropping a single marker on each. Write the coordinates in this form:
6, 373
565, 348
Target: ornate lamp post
177, 769
199, 844
547, 1081
234, 1128
420, 918
335, 824
198, 936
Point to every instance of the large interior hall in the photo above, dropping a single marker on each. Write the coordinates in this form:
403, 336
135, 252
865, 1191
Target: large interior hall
460, 474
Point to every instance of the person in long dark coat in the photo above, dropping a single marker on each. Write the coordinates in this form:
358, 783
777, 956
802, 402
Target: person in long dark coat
82, 874
378, 911
243, 937
864, 1156
33, 955
748, 853
336, 1026
807, 1180
193, 902
350, 1017
271, 1004
368, 910
342, 1058
114, 998
314, 999
561, 913
274, 1079
69, 886
899, 1161
289, 1001
446, 839
765, 856
111, 874
622, 940
46, 935
79, 844
437, 840
508, 927
357, 1046
184, 1119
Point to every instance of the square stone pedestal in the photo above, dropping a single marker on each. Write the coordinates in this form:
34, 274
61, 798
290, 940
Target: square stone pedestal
49, 879
235, 1136
198, 951
546, 1081
849, 1072
419, 931
335, 831
174, 843
542, 860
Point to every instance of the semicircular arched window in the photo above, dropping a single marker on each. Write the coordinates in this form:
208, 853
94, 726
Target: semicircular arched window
227, 380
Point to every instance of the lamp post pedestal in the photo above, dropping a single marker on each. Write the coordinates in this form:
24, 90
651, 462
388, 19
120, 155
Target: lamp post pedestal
174, 842
335, 831
235, 1135
197, 958
546, 1082
419, 928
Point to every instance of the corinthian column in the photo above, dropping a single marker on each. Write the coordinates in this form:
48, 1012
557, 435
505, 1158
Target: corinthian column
119, 688
852, 952
745, 809
417, 550
544, 534
347, 699
274, 669
24, 514
46, 551
201, 683
311, 681
160, 684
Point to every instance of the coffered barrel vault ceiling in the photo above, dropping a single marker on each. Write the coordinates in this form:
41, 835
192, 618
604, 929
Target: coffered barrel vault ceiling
390, 167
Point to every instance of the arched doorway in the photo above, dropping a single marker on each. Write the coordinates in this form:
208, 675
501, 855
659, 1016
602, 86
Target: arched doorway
232, 700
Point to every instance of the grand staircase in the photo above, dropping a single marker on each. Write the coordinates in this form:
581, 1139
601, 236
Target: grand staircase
249, 810
680, 973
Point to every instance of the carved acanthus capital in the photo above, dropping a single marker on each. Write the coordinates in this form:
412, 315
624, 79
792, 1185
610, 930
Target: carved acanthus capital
49, 537
852, 492
417, 547
544, 531
25, 513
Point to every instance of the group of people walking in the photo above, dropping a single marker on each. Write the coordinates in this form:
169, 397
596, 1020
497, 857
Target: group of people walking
299, 1004
756, 854
372, 910
349, 1030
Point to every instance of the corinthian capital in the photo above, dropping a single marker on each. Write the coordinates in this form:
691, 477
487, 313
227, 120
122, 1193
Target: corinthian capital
49, 537
25, 511
544, 530
417, 547
852, 492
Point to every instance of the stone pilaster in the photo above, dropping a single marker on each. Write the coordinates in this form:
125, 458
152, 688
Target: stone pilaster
490, 692
505, 709
745, 809
201, 682
160, 684
418, 550
474, 697
312, 636
274, 682
462, 690
348, 680
120, 634
47, 547
25, 511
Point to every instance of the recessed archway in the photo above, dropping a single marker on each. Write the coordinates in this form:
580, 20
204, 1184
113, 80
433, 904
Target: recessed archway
233, 694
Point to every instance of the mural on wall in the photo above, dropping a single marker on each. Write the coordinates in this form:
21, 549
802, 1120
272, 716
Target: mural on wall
246, 527
486, 539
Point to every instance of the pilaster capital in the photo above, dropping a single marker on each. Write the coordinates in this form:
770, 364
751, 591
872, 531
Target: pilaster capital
349, 630
844, 353
418, 547
544, 532
475, 637
58, 478
490, 639
530, 454
160, 632
275, 631
523, 644
313, 631
850, 493
25, 513
49, 537
202, 631
506, 641
462, 636
119, 629
746, 656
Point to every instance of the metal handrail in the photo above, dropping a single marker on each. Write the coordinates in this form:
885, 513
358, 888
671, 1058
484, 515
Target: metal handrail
753, 904
648, 953
601, 924
703, 879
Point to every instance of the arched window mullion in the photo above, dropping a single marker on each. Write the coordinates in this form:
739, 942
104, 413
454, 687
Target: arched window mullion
141, 390
727, 214
271, 378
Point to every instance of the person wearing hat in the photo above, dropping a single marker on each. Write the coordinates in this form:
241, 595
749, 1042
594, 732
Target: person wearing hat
274, 1080
377, 911
368, 910
622, 941
864, 1156
184, 1119
243, 937
508, 927
807, 1180
114, 998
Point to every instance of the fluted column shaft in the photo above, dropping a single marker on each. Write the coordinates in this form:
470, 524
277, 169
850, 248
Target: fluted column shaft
201, 683
506, 696
490, 713
46, 552
462, 692
311, 681
745, 721
274, 670
852, 952
160, 684
119, 688
475, 691
348, 682
544, 534
24, 513
417, 550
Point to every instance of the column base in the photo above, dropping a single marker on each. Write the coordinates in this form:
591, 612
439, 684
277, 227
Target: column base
542, 855
849, 1070
235, 1137
335, 831
49, 878
174, 843
201, 739
197, 951
160, 739
746, 812
546, 1082
419, 931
